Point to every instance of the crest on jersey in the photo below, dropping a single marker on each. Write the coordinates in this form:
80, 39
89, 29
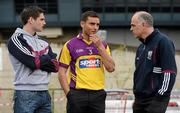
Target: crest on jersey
149, 55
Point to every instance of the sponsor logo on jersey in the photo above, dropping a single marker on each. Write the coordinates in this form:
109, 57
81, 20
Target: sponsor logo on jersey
90, 63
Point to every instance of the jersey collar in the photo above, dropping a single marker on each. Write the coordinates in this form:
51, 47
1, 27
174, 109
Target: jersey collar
150, 37
80, 36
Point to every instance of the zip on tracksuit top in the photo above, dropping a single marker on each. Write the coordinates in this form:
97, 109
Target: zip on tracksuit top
155, 64
32, 59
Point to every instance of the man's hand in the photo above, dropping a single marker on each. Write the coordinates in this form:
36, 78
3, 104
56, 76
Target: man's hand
96, 40
107, 59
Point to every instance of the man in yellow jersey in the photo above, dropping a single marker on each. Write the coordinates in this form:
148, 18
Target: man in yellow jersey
84, 59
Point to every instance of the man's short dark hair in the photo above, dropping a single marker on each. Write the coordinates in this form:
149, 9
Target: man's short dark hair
30, 11
87, 14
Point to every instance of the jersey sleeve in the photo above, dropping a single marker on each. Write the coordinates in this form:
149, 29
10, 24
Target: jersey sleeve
106, 47
49, 62
20, 49
108, 50
168, 66
65, 57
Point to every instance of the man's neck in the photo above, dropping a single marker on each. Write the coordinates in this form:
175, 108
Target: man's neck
147, 33
85, 37
28, 30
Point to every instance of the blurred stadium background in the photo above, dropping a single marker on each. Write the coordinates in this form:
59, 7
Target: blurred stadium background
62, 17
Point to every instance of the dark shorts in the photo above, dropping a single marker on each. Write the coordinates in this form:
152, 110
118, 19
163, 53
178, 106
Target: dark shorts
151, 105
86, 101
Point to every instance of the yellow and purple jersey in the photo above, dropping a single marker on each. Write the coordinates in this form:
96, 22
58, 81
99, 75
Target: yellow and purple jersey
86, 70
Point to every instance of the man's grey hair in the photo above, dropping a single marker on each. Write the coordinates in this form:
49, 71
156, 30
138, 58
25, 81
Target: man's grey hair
146, 17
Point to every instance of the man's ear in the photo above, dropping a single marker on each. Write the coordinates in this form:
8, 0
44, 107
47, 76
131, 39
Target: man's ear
144, 24
31, 20
82, 24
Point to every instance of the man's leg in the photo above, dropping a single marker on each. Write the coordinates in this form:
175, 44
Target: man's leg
77, 101
25, 101
45, 103
97, 101
137, 108
141, 105
158, 105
